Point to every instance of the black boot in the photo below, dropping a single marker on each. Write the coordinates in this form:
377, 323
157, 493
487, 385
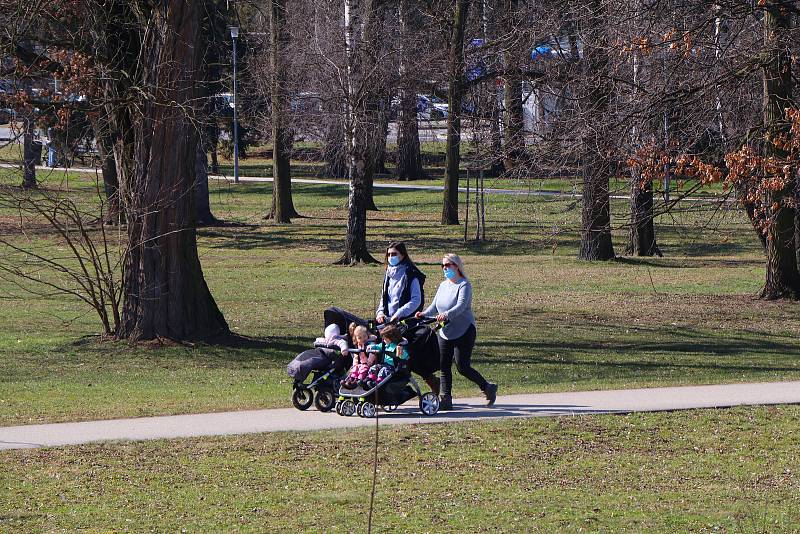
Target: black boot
491, 393
445, 403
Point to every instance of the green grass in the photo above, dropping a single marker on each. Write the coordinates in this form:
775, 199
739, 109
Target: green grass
546, 321
696, 471
262, 167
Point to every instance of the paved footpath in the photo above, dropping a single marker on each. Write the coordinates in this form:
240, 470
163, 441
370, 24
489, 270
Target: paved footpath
522, 192
289, 419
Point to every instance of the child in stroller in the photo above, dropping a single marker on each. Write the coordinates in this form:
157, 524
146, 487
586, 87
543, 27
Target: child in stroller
326, 363
392, 384
363, 357
393, 355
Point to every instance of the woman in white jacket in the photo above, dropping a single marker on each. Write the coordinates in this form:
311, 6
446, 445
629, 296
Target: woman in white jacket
453, 303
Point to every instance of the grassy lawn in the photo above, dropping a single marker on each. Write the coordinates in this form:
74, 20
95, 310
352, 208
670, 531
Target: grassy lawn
546, 321
698, 471
258, 166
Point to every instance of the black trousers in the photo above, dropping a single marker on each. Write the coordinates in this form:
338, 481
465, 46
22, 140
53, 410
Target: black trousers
459, 350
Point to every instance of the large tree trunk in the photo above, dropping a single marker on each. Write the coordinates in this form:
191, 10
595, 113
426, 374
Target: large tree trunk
782, 279
383, 133
282, 209
642, 236
165, 292
375, 117
514, 126
494, 96
455, 91
213, 145
30, 158
409, 158
596, 213
514, 123
203, 215
105, 150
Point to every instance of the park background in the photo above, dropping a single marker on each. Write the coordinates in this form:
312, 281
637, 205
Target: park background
559, 304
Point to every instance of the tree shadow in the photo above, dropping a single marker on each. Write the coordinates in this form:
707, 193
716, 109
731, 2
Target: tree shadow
670, 348
227, 349
685, 262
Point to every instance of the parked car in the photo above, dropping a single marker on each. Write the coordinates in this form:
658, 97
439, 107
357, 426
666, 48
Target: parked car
430, 107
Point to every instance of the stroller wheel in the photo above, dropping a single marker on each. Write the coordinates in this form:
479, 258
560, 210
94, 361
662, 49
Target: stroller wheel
367, 409
429, 403
302, 397
347, 408
325, 400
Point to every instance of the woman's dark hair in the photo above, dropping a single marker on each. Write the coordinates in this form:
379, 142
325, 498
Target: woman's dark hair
400, 247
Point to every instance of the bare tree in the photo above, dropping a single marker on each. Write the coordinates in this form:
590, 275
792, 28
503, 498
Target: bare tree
455, 92
596, 168
782, 278
360, 128
30, 156
514, 52
282, 209
89, 268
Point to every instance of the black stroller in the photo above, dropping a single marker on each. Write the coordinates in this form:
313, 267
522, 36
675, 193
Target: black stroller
400, 386
326, 367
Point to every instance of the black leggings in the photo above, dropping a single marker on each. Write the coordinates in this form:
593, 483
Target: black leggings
461, 350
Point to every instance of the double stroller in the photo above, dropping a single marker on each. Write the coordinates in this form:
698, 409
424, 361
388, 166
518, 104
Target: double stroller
326, 368
399, 386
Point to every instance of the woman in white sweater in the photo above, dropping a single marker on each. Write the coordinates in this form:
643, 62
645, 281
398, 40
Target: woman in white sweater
453, 303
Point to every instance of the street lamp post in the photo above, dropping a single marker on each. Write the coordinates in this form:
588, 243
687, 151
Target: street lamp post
234, 36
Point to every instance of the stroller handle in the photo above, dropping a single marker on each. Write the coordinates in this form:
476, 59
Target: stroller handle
365, 349
412, 321
426, 320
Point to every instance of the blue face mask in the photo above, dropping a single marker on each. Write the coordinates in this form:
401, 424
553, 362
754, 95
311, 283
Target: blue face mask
394, 260
450, 273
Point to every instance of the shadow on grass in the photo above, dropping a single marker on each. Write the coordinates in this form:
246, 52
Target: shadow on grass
330, 238
686, 262
327, 233
669, 348
229, 349
467, 412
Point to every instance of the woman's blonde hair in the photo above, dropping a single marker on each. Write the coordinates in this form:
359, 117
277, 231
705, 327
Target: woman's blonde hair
454, 258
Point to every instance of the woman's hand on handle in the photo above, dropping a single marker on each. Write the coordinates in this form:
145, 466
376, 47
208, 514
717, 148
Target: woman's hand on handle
419, 315
380, 319
441, 317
